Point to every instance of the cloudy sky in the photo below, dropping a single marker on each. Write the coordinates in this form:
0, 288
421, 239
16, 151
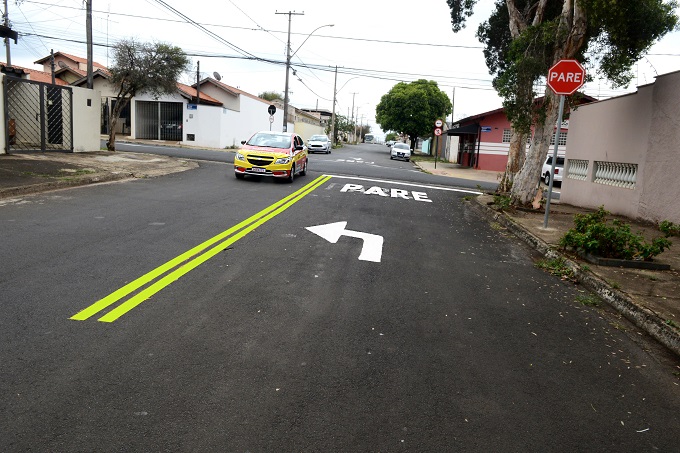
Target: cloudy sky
374, 44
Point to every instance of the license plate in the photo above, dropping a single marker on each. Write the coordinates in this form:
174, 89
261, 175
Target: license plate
258, 170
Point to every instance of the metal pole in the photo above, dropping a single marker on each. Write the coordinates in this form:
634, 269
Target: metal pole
6, 21
88, 26
352, 119
335, 84
554, 161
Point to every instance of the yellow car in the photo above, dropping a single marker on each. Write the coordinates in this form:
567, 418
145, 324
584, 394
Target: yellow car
277, 154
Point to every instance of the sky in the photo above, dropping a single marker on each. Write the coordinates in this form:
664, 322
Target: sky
374, 44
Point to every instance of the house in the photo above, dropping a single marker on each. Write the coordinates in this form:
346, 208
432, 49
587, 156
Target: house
244, 113
308, 123
623, 153
484, 139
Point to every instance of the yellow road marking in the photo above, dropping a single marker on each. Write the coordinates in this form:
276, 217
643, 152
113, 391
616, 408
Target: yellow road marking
245, 227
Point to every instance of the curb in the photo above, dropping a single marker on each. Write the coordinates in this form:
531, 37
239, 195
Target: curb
642, 317
63, 184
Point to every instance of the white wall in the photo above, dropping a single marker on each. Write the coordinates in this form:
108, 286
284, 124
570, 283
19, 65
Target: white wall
208, 124
252, 118
86, 119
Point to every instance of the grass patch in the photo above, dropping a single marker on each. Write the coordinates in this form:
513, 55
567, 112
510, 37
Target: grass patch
588, 300
557, 267
672, 323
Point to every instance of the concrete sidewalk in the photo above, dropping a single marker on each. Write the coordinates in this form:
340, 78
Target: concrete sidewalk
650, 299
457, 171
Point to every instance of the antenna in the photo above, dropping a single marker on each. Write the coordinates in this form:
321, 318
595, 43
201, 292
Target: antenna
217, 76
62, 65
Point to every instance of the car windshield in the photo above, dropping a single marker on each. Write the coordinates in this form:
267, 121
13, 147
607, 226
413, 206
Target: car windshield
401, 146
272, 140
322, 138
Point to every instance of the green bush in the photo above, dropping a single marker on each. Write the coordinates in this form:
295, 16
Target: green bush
669, 228
592, 234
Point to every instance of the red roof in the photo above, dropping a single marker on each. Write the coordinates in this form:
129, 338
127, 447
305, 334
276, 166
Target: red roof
74, 58
191, 92
224, 86
39, 76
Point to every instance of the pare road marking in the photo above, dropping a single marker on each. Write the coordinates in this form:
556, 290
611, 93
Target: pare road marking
392, 193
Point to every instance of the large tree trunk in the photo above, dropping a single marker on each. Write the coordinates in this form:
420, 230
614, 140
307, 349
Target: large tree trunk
516, 157
115, 115
527, 181
570, 36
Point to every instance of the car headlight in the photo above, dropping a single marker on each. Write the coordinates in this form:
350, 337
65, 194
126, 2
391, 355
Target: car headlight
240, 156
282, 160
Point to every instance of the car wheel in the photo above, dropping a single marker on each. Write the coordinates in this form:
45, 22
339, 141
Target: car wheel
291, 178
391, 158
546, 178
239, 175
408, 160
304, 169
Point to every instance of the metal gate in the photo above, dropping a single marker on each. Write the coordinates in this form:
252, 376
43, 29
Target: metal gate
159, 120
39, 116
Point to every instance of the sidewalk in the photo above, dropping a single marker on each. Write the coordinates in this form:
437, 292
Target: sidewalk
650, 299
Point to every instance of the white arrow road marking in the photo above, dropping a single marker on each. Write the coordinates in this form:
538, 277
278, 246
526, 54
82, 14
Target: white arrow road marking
372, 248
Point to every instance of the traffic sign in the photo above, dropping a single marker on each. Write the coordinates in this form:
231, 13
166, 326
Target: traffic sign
566, 76
438, 131
438, 123
271, 109
271, 118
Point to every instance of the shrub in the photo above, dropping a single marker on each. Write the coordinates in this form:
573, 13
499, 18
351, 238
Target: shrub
592, 234
669, 228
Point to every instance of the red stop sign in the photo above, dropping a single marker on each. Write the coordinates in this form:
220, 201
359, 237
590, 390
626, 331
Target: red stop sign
566, 77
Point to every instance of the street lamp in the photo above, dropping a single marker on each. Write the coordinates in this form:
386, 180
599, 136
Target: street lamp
288, 57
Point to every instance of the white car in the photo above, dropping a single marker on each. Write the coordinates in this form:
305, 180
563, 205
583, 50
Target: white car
400, 151
319, 144
559, 169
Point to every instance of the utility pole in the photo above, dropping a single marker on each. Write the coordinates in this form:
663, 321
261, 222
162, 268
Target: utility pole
352, 119
52, 65
198, 83
453, 103
285, 96
88, 26
6, 21
335, 84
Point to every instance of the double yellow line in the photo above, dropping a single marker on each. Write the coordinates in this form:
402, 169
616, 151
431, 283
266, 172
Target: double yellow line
189, 260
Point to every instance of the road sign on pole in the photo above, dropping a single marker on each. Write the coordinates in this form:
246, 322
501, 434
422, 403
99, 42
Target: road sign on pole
566, 76
438, 131
438, 123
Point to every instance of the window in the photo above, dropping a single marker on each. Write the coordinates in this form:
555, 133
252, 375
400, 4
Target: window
506, 135
563, 139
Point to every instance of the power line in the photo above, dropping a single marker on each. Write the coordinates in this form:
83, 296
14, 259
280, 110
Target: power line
452, 46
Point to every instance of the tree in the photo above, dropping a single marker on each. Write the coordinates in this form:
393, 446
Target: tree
363, 130
342, 125
142, 68
608, 34
270, 96
391, 136
412, 108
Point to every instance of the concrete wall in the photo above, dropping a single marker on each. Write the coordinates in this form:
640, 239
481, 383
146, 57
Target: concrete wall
660, 198
86, 119
252, 118
637, 129
208, 124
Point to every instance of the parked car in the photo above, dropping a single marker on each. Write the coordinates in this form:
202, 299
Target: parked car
275, 154
400, 151
389, 143
319, 143
559, 169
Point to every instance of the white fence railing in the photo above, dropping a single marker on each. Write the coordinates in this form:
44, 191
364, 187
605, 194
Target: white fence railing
577, 169
616, 174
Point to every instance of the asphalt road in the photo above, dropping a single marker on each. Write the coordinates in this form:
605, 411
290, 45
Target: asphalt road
197, 312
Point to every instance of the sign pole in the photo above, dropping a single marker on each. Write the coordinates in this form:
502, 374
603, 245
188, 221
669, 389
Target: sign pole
554, 161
